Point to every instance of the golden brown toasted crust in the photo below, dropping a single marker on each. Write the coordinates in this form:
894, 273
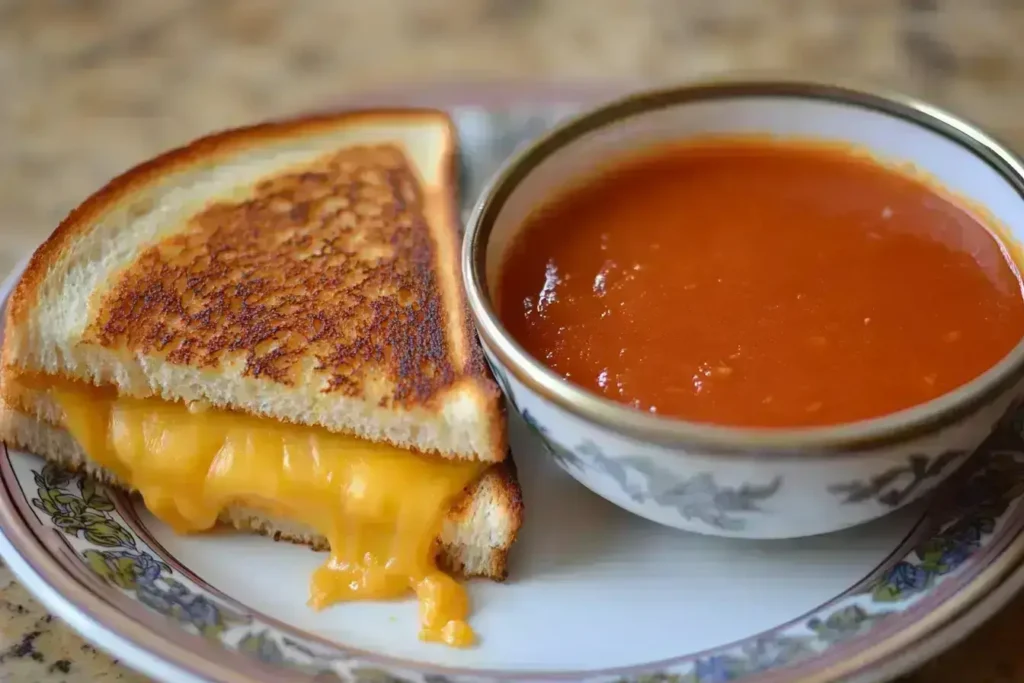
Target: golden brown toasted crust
281, 276
332, 261
207, 149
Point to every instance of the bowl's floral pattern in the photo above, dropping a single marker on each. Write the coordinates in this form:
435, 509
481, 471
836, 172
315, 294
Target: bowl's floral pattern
700, 500
891, 487
697, 497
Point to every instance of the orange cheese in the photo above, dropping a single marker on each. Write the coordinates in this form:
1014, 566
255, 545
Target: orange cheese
380, 507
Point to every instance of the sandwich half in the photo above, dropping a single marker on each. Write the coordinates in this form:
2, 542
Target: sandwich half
267, 328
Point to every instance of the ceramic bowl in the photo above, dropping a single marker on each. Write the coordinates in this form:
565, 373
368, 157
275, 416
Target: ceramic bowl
749, 483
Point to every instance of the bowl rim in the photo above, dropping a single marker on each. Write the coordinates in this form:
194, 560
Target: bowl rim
670, 432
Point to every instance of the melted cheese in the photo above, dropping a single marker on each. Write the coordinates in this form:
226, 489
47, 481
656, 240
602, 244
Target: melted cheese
380, 507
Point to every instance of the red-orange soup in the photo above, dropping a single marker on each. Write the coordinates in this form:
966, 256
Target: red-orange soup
760, 283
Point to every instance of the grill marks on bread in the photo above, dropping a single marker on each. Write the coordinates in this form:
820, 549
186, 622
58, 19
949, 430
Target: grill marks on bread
332, 262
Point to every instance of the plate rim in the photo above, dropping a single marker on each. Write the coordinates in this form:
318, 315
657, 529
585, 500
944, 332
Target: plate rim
141, 660
998, 554
949, 635
87, 627
90, 615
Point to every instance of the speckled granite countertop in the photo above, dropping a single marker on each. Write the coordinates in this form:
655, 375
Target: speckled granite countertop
90, 87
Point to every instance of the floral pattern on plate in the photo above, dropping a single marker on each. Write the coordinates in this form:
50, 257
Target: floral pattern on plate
964, 525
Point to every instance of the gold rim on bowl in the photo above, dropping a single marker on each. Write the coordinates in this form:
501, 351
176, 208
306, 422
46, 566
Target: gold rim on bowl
722, 440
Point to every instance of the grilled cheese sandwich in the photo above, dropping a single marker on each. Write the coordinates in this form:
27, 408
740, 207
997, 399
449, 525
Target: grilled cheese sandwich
267, 328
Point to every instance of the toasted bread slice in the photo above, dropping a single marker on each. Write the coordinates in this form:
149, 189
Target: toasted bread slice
475, 537
304, 271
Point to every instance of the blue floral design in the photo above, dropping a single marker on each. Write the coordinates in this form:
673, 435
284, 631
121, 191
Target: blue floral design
972, 516
87, 514
717, 669
173, 598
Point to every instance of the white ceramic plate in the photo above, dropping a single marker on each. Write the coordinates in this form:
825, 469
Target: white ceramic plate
594, 594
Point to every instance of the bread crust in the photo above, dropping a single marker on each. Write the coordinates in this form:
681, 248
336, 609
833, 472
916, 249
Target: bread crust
207, 149
426, 375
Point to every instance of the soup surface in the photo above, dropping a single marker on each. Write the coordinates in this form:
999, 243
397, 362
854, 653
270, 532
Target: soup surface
760, 283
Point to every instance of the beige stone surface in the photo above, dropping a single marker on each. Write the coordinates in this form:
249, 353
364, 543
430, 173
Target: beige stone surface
90, 87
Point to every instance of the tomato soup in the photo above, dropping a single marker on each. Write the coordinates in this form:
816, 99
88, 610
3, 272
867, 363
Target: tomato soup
760, 283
